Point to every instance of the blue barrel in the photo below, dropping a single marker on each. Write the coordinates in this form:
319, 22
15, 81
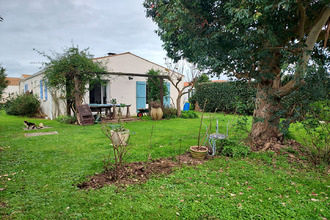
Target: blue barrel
186, 106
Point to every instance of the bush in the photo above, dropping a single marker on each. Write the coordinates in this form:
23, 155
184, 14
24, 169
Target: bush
189, 114
232, 149
67, 119
169, 112
321, 110
316, 134
224, 96
23, 105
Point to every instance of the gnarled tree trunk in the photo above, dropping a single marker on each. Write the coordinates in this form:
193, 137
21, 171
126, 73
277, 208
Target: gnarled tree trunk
265, 125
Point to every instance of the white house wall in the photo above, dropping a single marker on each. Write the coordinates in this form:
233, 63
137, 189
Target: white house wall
121, 88
52, 108
9, 91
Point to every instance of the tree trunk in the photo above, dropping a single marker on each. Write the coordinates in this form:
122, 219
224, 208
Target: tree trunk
161, 91
178, 105
77, 96
265, 125
68, 107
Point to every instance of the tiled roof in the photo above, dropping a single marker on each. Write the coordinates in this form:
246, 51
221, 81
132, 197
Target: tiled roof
13, 81
24, 76
218, 81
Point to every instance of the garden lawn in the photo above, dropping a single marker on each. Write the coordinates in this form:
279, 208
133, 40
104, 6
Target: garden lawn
39, 176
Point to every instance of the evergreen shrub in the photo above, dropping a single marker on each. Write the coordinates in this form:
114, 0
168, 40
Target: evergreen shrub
23, 105
224, 96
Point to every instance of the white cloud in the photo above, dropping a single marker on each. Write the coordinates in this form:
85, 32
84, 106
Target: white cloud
102, 25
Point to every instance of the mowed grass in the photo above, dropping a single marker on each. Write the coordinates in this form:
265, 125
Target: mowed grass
39, 174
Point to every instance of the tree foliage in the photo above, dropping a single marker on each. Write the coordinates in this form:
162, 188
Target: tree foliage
224, 96
23, 105
70, 72
3, 81
248, 39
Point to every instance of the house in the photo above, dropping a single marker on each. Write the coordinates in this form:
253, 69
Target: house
13, 88
130, 90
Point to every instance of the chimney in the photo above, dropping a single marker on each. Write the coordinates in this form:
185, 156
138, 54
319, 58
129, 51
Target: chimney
111, 54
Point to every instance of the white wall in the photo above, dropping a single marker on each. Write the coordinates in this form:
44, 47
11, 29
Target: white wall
121, 88
52, 107
9, 91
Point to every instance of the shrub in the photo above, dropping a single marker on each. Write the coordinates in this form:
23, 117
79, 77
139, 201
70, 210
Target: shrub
23, 105
233, 149
189, 114
321, 110
66, 119
317, 133
169, 112
223, 96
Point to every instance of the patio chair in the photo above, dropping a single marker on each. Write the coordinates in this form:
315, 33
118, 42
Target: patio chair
212, 139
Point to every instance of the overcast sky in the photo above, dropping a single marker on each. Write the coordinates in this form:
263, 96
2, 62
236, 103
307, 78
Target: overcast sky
51, 25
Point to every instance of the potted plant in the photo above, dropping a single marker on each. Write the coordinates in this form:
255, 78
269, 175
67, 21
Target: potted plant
116, 133
200, 151
156, 112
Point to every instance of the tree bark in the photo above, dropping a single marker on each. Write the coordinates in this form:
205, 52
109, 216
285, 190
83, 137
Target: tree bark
265, 125
161, 91
77, 96
178, 104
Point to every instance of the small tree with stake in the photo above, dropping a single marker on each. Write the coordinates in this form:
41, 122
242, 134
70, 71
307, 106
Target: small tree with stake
119, 137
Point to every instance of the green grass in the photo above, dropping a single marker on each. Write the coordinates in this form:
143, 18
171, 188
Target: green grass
43, 170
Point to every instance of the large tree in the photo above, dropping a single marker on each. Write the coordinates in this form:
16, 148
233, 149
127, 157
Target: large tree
70, 72
247, 39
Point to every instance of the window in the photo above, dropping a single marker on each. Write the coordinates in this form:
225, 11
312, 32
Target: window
41, 90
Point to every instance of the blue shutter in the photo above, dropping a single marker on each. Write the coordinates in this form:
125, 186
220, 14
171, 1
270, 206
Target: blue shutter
46, 93
140, 94
167, 98
41, 90
26, 87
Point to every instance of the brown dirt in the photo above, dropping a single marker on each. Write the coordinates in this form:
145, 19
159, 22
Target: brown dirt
138, 172
39, 134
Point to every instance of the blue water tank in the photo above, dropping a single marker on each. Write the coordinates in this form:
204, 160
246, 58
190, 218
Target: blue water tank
186, 106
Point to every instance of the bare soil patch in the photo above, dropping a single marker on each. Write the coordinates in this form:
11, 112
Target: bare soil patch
39, 134
138, 172
26, 129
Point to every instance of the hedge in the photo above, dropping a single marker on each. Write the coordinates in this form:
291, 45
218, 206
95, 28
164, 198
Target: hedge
226, 96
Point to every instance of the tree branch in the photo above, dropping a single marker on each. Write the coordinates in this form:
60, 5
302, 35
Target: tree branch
315, 32
301, 28
240, 75
311, 40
